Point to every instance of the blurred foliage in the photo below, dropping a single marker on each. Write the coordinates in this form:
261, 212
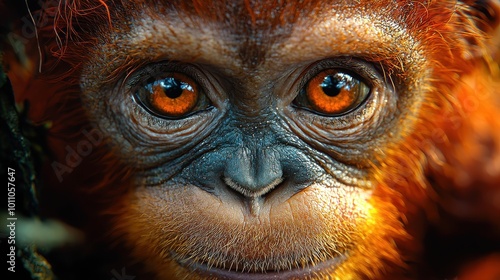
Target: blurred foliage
24, 156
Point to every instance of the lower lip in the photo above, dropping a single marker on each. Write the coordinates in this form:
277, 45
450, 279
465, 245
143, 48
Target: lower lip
299, 273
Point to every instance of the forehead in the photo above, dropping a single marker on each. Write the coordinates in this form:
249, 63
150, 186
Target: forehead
247, 38
251, 26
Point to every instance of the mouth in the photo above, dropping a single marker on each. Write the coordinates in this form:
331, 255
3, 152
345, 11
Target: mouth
311, 271
285, 240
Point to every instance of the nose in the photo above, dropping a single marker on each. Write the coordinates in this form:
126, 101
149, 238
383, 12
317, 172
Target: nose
253, 173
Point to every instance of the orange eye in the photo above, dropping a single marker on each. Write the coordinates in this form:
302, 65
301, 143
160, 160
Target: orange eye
333, 92
175, 95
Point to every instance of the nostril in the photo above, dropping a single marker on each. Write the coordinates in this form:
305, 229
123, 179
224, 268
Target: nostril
252, 191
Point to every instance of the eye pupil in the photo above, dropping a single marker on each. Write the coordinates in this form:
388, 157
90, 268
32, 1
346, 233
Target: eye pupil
173, 88
332, 85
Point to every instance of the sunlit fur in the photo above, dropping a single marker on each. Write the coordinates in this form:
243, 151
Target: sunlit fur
446, 165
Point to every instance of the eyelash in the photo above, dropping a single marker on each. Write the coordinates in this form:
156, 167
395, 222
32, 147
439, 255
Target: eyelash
360, 67
144, 73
